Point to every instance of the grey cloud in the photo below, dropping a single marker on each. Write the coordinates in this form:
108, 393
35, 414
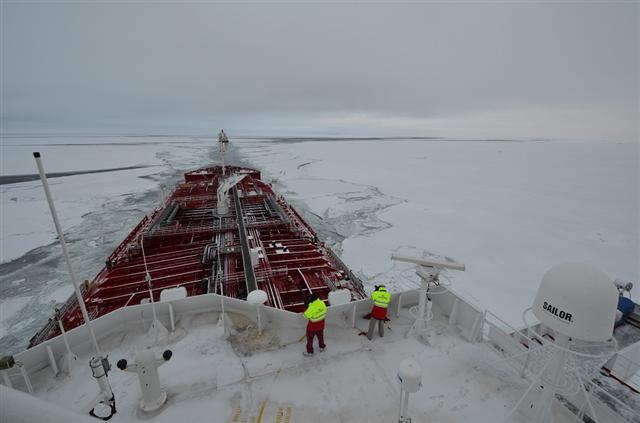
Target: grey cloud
113, 64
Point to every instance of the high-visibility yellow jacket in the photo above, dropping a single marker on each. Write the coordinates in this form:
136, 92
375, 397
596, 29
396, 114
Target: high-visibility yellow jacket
316, 311
381, 297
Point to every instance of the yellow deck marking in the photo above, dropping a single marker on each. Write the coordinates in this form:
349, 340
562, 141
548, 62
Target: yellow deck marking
261, 410
287, 416
237, 414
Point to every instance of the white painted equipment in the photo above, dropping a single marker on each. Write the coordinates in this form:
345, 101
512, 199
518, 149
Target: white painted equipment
172, 294
578, 301
429, 262
222, 208
410, 377
146, 366
258, 297
429, 273
623, 285
105, 403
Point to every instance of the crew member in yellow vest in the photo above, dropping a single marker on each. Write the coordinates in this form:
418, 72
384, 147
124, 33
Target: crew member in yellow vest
315, 313
381, 299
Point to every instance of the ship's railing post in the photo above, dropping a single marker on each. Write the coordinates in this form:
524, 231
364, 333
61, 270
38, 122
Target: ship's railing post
398, 305
353, 314
172, 318
52, 360
258, 307
25, 376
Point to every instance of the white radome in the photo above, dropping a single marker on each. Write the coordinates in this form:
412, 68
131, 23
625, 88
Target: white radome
577, 300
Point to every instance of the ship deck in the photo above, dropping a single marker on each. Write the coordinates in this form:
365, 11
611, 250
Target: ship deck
240, 376
224, 370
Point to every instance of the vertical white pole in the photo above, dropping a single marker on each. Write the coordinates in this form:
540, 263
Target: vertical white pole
353, 315
400, 407
475, 328
543, 415
422, 302
172, 318
224, 318
533, 384
153, 304
258, 306
64, 336
419, 327
147, 277
71, 357
523, 373
100, 375
65, 253
588, 400
52, 360
222, 149
25, 375
405, 405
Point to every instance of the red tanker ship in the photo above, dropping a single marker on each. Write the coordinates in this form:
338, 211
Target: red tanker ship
222, 231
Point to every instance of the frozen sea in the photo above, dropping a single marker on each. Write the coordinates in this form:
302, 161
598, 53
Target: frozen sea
508, 209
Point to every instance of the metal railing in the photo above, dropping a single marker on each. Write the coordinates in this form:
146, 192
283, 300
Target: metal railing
52, 323
506, 340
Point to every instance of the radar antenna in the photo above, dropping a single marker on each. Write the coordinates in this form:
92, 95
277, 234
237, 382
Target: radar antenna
429, 272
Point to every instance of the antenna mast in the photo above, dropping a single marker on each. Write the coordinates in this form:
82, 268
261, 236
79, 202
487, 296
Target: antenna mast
105, 408
65, 252
223, 143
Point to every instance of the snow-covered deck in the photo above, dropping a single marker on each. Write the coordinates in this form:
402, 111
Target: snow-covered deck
230, 373
240, 376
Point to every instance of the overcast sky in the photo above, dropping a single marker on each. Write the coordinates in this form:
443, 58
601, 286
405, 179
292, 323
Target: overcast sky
534, 69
